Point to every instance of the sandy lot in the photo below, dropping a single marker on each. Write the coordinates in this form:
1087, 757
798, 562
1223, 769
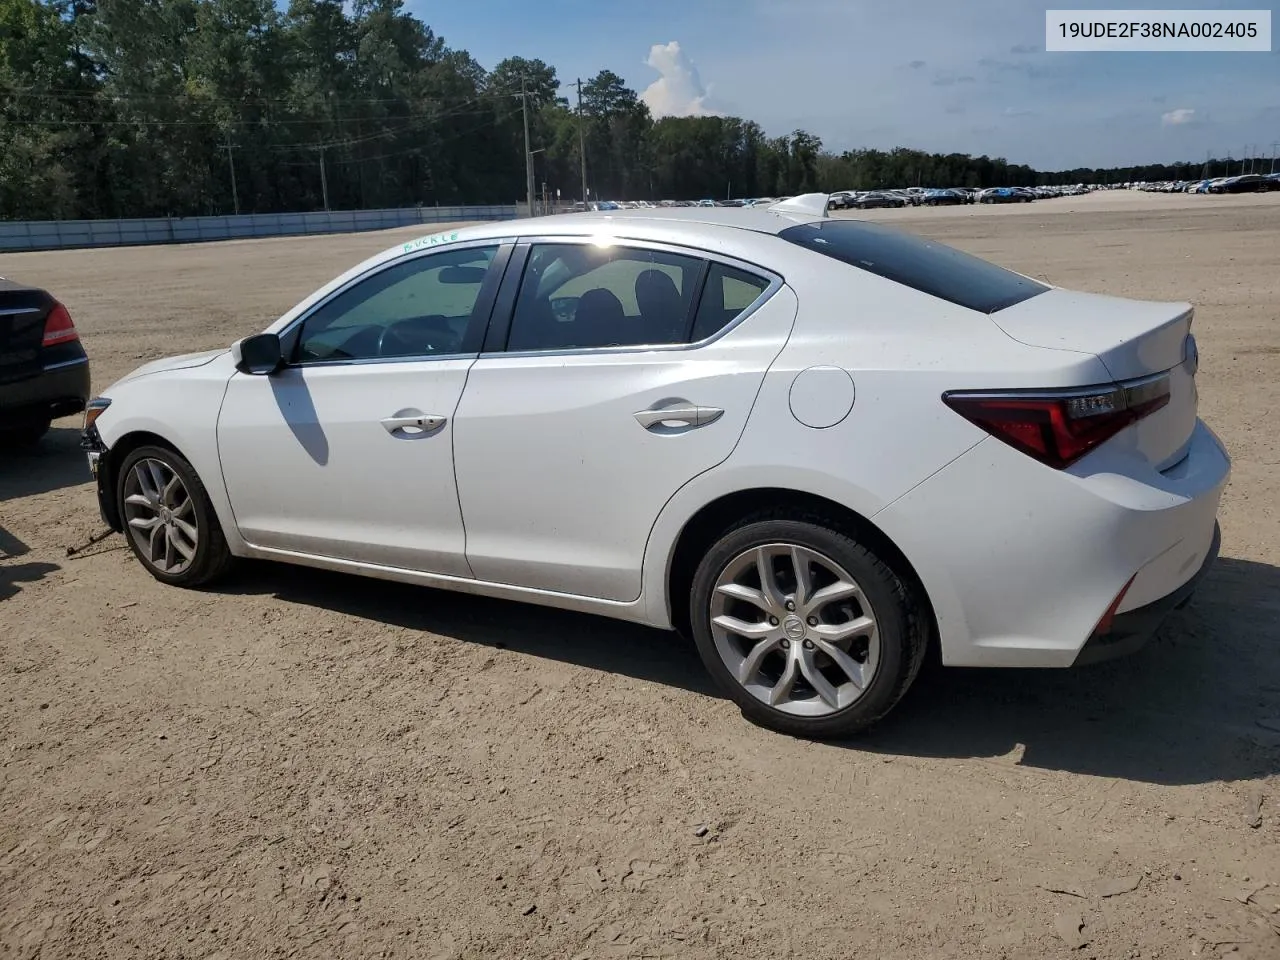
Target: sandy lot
302, 764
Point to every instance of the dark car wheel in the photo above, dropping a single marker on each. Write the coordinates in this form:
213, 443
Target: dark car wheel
804, 627
168, 518
26, 435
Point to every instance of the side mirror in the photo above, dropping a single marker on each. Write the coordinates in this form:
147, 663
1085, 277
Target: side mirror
259, 354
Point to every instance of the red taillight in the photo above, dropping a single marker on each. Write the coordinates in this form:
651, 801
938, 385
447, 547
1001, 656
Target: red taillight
58, 327
1060, 427
1108, 618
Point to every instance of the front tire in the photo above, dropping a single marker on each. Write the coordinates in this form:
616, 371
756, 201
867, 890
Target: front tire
169, 520
806, 629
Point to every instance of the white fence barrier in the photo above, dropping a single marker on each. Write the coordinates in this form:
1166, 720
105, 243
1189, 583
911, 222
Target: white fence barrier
17, 235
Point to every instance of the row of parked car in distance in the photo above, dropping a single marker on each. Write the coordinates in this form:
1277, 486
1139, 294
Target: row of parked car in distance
948, 196
862, 199
605, 205
1245, 183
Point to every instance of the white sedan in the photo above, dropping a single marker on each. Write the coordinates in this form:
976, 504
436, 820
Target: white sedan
817, 446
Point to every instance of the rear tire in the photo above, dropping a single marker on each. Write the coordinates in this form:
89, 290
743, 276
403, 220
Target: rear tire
27, 435
805, 666
169, 520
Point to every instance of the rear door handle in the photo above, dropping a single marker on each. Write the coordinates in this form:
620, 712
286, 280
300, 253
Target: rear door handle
415, 425
676, 415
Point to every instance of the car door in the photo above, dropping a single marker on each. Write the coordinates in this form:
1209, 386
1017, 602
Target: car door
624, 371
346, 452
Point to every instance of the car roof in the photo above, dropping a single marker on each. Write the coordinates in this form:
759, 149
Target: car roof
756, 220
735, 232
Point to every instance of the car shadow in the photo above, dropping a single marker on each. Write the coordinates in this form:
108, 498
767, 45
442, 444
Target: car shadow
11, 546
1200, 703
14, 574
293, 399
589, 641
52, 464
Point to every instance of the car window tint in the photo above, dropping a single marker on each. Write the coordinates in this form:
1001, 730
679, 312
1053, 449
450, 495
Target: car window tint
576, 296
416, 308
728, 292
921, 264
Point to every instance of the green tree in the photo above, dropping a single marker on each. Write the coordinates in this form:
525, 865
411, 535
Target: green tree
145, 107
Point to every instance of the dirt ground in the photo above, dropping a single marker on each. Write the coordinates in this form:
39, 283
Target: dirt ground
305, 764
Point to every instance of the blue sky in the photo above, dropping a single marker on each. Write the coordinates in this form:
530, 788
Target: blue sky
964, 75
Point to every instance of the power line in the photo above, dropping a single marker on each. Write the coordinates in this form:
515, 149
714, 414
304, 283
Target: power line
100, 93
139, 122
418, 149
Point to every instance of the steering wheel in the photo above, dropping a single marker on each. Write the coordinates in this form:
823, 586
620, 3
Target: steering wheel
393, 343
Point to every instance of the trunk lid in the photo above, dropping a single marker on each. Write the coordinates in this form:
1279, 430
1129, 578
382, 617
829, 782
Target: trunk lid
1134, 339
23, 311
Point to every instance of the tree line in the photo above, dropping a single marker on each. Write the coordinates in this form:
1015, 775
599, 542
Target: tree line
129, 108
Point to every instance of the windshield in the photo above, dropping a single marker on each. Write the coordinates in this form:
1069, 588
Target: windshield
915, 262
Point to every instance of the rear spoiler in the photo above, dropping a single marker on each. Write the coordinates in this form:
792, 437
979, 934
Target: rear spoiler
805, 205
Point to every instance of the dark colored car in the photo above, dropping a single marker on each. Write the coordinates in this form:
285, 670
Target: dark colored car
44, 372
878, 198
1247, 183
944, 198
1004, 195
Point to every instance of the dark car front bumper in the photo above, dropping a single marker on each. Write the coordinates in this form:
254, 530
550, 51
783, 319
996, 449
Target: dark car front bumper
57, 391
1130, 630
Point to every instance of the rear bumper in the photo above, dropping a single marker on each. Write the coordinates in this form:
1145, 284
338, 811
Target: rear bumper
1130, 631
59, 391
1021, 562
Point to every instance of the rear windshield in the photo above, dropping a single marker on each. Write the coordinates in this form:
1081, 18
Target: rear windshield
923, 265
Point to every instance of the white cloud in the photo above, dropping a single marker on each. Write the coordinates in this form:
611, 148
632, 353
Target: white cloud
1175, 118
678, 92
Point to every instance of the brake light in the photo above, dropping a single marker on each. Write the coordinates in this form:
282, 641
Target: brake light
1058, 427
1109, 617
58, 327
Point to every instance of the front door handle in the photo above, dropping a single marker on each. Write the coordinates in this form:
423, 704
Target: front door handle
669, 416
414, 425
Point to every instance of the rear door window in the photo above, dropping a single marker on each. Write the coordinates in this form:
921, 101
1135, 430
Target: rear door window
580, 296
924, 265
727, 293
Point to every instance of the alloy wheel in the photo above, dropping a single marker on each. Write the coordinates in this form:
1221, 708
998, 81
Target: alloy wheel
794, 629
161, 516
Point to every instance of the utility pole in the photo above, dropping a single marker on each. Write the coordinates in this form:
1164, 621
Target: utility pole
582, 148
1273, 155
528, 156
235, 195
324, 180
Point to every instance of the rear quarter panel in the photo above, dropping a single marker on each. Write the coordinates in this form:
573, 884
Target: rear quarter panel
903, 350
